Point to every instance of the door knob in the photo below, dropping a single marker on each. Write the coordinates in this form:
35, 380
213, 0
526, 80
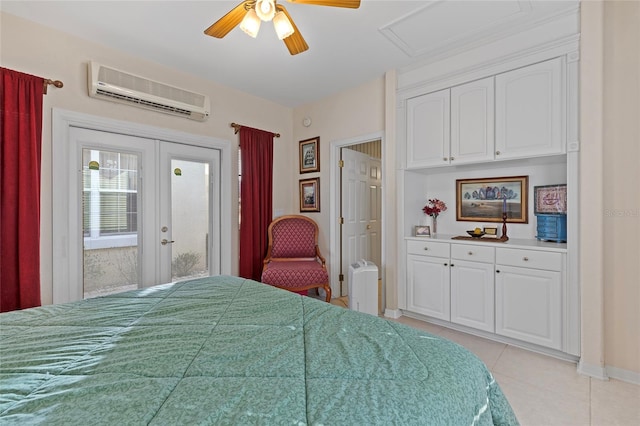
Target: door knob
368, 226
164, 242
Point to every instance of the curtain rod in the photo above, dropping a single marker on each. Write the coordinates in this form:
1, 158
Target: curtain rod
48, 81
237, 128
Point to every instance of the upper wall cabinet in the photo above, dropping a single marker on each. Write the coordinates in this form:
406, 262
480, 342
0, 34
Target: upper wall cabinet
472, 112
451, 126
529, 113
428, 129
516, 114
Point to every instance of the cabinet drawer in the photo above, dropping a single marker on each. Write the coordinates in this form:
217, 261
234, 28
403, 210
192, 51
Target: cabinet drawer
472, 253
529, 259
428, 248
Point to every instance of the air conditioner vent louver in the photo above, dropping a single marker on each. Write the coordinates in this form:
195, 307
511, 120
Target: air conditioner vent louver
111, 84
153, 105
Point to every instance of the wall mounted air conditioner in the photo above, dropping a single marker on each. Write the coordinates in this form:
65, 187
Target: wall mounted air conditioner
118, 86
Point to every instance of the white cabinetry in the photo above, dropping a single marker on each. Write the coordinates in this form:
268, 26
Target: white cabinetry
472, 286
529, 111
472, 122
451, 126
529, 296
428, 129
428, 278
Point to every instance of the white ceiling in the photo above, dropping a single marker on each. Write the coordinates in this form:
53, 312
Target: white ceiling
346, 46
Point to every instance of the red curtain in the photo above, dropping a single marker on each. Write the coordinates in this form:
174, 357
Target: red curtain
21, 134
256, 188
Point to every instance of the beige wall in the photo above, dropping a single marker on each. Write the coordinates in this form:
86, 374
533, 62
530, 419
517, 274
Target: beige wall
621, 149
34, 49
347, 115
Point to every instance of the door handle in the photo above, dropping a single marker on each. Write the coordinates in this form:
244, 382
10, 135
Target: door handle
164, 242
368, 226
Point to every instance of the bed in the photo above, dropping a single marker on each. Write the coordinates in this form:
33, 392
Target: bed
226, 350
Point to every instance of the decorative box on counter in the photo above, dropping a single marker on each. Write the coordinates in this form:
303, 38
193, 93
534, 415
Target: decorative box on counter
550, 208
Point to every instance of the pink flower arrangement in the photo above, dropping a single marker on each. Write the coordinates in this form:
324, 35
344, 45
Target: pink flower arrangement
434, 207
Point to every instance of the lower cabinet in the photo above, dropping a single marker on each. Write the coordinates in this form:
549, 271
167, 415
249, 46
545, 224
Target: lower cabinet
529, 299
472, 286
515, 293
428, 290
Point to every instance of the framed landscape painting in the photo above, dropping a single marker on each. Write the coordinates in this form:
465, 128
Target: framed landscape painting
487, 199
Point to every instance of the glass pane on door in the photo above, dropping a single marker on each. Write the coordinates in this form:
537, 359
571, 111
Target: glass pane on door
110, 222
190, 219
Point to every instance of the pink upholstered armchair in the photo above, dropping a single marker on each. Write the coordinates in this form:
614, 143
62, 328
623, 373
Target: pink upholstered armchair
293, 260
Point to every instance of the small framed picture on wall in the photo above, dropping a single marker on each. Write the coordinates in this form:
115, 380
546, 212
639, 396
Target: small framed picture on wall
310, 195
310, 155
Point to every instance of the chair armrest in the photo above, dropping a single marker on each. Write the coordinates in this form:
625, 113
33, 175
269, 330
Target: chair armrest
319, 256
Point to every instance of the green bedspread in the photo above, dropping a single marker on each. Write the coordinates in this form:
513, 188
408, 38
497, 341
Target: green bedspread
225, 350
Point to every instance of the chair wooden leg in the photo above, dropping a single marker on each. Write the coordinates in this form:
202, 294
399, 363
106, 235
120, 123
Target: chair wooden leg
327, 290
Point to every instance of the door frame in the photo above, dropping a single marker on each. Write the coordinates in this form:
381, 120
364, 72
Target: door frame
62, 121
334, 211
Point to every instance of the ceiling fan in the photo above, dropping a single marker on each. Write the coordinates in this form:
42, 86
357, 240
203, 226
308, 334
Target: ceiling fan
249, 13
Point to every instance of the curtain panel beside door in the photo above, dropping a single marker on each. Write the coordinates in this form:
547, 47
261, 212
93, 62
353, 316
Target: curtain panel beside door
21, 99
256, 189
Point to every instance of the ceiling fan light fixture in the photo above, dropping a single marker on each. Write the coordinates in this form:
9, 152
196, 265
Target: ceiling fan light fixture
282, 25
265, 9
250, 23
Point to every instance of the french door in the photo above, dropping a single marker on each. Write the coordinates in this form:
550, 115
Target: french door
148, 212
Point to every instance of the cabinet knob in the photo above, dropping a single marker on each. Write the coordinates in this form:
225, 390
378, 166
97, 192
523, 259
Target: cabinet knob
446, 264
526, 259
445, 159
497, 271
452, 265
426, 248
470, 253
451, 158
497, 152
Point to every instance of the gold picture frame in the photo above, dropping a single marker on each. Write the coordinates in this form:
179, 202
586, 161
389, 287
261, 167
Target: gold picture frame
309, 155
487, 199
310, 195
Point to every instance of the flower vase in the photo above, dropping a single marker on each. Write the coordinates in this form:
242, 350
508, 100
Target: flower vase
434, 225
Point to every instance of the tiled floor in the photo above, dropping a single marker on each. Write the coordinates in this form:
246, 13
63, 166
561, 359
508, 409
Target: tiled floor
543, 390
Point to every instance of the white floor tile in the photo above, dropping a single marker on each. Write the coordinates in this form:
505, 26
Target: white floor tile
543, 372
488, 351
614, 403
537, 406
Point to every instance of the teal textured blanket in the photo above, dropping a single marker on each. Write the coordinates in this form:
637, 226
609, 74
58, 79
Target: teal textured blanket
225, 350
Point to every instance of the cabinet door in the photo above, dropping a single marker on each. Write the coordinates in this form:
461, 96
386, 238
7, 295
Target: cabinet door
529, 305
529, 111
428, 130
472, 294
428, 286
472, 122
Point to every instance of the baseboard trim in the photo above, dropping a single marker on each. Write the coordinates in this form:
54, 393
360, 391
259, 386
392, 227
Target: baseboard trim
392, 313
623, 375
594, 371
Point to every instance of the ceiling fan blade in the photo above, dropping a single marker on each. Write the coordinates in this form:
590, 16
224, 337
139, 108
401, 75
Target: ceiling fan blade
352, 4
295, 43
228, 22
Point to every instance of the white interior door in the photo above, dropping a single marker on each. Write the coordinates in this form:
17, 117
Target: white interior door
355, 210
142, 212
